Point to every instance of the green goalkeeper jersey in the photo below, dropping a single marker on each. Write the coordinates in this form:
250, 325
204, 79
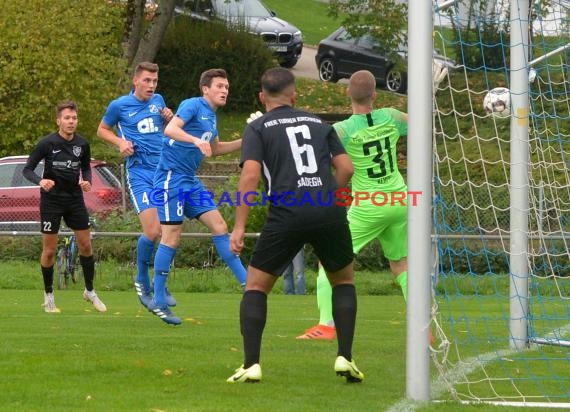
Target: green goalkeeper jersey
370, 140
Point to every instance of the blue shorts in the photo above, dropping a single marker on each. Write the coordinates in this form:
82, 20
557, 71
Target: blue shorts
178, 196
140, 183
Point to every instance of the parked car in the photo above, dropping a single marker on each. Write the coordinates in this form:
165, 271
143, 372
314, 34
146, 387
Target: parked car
340, 54
284, 39
20, 199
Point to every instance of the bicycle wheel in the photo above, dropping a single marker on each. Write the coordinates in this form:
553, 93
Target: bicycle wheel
61, 266
72, 259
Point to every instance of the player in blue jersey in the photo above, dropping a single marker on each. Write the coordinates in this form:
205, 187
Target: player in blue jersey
139, 119
191, 135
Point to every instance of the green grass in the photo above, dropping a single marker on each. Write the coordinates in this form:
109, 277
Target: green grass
112, 276
128, 360
313, 21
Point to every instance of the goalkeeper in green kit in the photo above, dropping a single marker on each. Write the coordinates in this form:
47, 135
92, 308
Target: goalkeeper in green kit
379, 206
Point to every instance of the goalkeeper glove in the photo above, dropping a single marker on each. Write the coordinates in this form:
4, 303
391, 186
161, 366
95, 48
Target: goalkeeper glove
439, 71
254, 116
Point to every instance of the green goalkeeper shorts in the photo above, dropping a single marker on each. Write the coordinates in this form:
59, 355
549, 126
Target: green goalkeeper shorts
388, 224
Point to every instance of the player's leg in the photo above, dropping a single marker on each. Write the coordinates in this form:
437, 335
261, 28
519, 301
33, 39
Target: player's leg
272, 253
394, 242
337, 260
170, 209
325, 329
162, 263
214, 221
140, 183
163, 260
50, 215
399, 269
77, 218
253, 316
344, 304
324, 299
49, 246
145, 247
363, 230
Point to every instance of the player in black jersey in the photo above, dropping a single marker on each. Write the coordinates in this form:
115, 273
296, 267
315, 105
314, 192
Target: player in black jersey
294, 151
67, 174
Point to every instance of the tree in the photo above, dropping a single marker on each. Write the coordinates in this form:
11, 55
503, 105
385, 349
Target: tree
385, 20
146, 22
51, 51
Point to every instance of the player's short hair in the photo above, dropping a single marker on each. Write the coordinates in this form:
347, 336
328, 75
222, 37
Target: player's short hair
207, 76
362, 86
146, 66
67, 104
275, 80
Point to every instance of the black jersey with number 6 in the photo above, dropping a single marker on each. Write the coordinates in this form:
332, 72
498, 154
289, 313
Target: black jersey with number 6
65, 162
295, 149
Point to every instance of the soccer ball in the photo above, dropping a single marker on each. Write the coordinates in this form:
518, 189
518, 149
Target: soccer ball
497, 102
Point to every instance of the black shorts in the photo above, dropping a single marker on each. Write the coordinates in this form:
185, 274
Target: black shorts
71, 209
275, 249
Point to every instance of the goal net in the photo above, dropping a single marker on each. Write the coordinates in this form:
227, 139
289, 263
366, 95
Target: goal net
478, 353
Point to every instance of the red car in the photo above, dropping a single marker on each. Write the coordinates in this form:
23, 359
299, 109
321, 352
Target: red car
20, 199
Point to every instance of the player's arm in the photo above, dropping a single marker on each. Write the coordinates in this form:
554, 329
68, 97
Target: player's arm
221, 148
344, 169
167, 115
85, 179
34, 158
248, 181
339, 129
174, 130
106, 132
400, 117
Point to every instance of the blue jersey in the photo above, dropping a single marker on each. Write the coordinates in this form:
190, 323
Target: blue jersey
140, 122
199, 121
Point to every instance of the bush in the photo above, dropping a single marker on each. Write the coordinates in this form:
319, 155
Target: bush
488, 49
51, 51
190, 47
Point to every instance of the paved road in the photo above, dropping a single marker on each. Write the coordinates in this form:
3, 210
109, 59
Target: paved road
306, 66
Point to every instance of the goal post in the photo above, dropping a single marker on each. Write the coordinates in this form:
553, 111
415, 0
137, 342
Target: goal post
420, 27
495, 181
519, 192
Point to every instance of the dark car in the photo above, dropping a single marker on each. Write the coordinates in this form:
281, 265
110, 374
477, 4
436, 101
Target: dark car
20, 199
340, 55
284, 39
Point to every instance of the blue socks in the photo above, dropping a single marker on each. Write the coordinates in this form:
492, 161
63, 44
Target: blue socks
222, 244
162, 261
145, 247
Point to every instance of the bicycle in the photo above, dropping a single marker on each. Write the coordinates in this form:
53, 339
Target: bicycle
67, 260
67, 257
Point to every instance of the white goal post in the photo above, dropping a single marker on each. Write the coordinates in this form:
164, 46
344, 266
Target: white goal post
495, 204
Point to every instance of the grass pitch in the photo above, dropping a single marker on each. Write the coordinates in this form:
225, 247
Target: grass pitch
129, 360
